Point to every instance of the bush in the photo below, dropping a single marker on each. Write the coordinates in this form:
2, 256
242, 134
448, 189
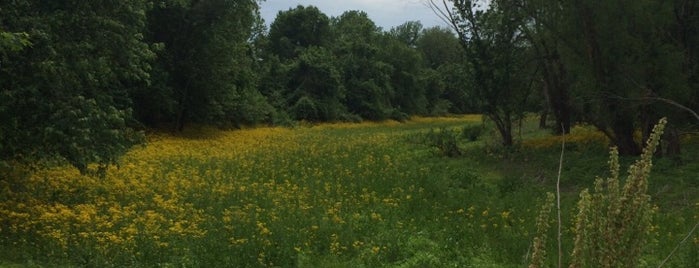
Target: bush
305, 109
399, 116
614, 220
445, 140
472, 132
351, 118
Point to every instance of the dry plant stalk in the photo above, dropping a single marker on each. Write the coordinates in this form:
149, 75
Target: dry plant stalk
542, 226
613, 222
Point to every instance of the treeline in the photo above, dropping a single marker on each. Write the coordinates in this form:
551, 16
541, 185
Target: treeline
347, 68
78, 80
618, 65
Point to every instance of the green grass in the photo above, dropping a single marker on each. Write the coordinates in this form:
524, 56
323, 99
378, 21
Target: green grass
367, 195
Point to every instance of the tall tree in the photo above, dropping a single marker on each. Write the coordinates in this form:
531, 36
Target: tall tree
446, 79
297, 29
366, 78
67, 94
619, 56
303, 77
408, 33
315, 86
439, 46
407, 66
206, 64
495, 50
543, 33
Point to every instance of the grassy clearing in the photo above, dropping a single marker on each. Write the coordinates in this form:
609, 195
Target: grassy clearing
336, 195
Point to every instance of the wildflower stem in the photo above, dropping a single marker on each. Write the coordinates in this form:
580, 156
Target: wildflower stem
679, 244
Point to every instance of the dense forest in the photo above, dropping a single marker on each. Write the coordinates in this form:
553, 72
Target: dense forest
81, 80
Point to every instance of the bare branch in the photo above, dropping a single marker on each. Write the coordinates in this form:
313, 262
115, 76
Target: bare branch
441, 13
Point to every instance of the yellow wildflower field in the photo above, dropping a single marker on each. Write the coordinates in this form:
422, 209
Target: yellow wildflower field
259, 196
323, 195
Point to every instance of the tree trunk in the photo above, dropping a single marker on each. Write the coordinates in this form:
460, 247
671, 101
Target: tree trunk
672, 145
556, 88
507, 139
623, 138
504, 126
561, 98
543, 118
179, 122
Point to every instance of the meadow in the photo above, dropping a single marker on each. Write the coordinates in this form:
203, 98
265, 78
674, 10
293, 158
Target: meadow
331, 195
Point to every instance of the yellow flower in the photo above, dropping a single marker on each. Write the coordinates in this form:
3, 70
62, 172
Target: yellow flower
263, 229
505, 215
357, 244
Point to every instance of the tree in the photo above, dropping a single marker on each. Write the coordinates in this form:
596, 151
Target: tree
447, 77
619, 59
495, 50
68, 95
407, 67
297, 29
439, 46
539, 29
408, 33
316, 91
206, 66
302, 76
365, 77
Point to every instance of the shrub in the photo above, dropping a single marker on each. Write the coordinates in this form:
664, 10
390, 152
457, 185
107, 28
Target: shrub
472, 132
399, 116
351, 118
305, 109
445, 140
613, 222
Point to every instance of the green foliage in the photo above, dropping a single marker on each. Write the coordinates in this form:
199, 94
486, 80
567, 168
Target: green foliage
610, 87
408, 89
472, 132
297, 29
205, 70
381, 75
496, 54
305, 109
316, 85
407, 33
445, 140
366, 78
439, 46
421, 252
68, 96
13, 42
96, 134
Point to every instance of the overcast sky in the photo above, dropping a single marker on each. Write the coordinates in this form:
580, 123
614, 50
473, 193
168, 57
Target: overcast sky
385, 13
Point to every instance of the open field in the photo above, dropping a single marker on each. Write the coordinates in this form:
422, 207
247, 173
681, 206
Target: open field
334, 195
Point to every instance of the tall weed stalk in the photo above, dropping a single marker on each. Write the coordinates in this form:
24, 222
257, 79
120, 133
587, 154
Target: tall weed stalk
613, 222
